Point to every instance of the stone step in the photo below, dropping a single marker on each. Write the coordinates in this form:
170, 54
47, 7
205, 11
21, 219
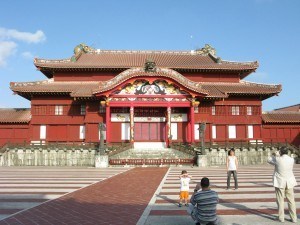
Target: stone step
161, 153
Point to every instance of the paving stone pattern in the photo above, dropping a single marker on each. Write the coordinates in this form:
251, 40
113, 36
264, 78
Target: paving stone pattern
253, 203
25, 187
119, 200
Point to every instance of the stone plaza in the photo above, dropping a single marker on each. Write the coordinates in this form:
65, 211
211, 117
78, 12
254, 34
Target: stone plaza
132, 195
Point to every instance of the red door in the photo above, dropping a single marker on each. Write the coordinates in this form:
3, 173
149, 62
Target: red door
149, 131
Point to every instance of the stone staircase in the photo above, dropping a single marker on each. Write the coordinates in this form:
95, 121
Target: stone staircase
160, 153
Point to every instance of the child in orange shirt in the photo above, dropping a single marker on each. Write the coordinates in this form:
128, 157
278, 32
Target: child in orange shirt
184, 188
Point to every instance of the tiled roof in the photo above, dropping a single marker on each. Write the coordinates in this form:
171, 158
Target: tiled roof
243, 87
293, 108
281, 117
88, 88
15, 115
100, 59
74, 88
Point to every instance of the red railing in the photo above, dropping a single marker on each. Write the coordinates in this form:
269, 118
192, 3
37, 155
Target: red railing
152, 162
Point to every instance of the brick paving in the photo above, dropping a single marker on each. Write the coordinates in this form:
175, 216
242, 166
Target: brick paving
121, 199
25, 187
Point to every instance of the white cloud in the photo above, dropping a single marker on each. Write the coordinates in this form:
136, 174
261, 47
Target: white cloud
27, 55
28, 37
9, 39
7, 48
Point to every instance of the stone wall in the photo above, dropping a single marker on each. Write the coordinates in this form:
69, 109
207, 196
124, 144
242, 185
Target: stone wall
245, 156
78, 156
48, 157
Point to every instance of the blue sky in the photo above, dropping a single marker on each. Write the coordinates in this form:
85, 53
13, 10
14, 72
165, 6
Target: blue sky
240, 30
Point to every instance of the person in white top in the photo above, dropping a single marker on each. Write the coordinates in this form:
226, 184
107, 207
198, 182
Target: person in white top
232, 166
284, 182
184, 188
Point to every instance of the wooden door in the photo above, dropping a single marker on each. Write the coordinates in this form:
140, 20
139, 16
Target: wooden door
149, 131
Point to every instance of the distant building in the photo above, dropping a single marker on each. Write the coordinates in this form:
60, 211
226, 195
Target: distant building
282, 125
292, 108
142, 97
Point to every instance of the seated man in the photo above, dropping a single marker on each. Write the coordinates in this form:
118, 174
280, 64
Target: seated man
203, 205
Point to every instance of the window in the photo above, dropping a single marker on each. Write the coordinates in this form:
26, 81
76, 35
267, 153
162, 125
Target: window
174, 131
213, 110
196, 131
82, 109
250, 131
249, 110
125, 129
82, 132
59, 109
231, 131
102, 109
256, 110
213, 131
43, 132
235, 110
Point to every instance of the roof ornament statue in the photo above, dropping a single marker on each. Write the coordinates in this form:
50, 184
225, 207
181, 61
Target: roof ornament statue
150, 65
79, 49
207, 49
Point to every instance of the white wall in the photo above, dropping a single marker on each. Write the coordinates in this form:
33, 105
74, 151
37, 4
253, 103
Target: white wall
125, 129
43, 132
231, 131
174, 131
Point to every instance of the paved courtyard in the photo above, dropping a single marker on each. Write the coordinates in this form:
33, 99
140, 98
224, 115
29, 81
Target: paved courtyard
45, 195
25, 187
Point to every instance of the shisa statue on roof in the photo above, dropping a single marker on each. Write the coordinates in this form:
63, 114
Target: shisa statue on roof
207, 49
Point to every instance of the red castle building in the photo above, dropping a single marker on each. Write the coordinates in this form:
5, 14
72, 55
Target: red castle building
145, 96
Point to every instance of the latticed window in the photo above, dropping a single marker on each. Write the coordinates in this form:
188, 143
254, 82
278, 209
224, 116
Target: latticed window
249, 110
213, 110
235, 110
220, 110
59, 110
256, 110
82, 109
39, 110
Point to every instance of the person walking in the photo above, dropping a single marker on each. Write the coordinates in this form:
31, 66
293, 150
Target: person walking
203, 207
284, 182
232, 166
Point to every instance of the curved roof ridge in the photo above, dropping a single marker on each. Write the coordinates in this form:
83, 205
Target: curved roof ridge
50, 81
236, 83
41, 60
260, 84
15, 109
241, 62
31, 83
138, 71
280, 112
110, 51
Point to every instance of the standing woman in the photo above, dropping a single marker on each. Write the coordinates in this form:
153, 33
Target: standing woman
232, 166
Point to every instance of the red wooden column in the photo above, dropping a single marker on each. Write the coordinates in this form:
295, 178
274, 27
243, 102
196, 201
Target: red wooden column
107, 120
192, 126
168, 127
131, 124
